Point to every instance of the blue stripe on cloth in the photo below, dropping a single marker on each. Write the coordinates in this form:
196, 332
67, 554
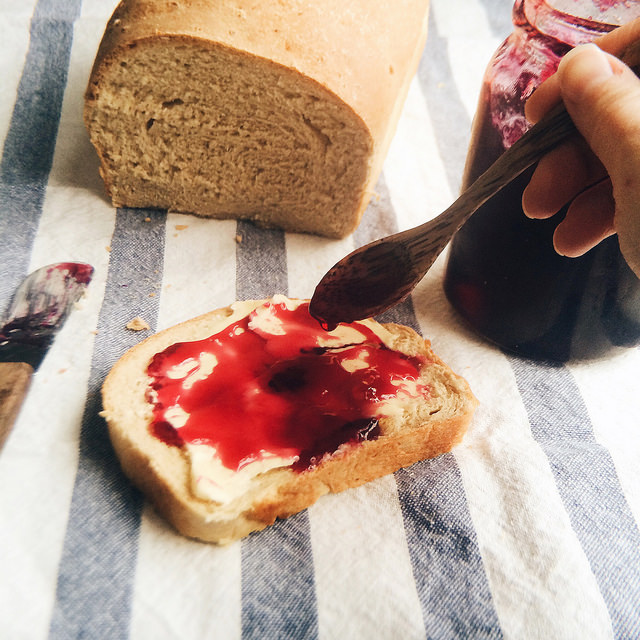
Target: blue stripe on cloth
31, 137
588, 486
451, 123
95, 579
498, 14
278, 583
450, 577
379, 219
278, 586
261, 262
448, 570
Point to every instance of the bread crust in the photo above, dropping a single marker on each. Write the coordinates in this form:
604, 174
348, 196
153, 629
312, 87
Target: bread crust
355, 62
425, 429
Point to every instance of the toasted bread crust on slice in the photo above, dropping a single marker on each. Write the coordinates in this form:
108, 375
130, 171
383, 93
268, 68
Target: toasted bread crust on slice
425, 428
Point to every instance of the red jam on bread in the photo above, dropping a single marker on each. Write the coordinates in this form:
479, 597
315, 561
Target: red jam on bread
276, 385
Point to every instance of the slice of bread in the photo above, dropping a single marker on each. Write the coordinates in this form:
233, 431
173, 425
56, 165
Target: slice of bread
276, 111
427, 416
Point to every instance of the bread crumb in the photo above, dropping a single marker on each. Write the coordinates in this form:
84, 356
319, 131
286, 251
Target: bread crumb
147, 219
108, 248
238, 238
181, 227
152, 295
137, 324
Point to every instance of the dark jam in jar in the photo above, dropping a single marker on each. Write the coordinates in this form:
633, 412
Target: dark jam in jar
503, 274
274, 383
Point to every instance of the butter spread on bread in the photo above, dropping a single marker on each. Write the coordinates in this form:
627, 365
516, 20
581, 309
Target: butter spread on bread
279, 111
251, 413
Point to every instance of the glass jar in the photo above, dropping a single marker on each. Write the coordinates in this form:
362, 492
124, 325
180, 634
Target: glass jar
503, 275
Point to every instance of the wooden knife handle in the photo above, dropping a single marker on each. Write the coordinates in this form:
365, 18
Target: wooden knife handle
14, 384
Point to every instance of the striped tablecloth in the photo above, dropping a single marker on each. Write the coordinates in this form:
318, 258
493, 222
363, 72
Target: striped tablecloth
529, 529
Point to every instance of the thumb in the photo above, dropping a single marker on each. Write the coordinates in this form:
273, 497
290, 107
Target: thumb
602, 95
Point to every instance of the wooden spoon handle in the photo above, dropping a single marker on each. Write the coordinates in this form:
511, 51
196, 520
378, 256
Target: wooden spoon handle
548, 133
15, 378
544, 136
426, 241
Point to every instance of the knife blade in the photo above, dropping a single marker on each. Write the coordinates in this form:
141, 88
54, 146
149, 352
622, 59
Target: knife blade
39, 308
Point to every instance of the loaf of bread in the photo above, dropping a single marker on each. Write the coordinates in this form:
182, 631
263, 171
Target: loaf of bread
250, 413
279, 111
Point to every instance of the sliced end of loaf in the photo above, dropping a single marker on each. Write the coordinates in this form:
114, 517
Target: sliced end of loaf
198, 127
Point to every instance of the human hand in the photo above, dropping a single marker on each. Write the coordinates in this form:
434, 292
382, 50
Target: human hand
598, 173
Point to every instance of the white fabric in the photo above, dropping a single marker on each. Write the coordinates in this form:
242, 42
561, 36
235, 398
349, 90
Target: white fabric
540, 576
